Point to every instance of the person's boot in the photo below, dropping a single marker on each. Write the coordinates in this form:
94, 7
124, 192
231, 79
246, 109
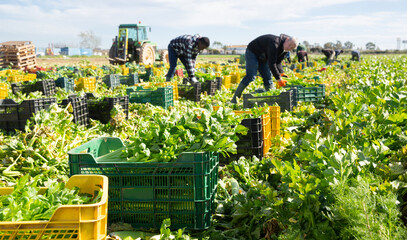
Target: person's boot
267, 87
238, 92
168, 79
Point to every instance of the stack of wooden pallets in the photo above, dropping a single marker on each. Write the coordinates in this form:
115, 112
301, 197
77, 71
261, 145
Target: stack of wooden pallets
17, 54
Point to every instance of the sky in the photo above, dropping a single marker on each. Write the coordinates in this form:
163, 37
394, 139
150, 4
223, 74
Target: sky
231, 22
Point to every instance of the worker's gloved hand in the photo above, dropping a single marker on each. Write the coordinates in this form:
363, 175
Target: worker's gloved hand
284, 75
193, 80
281, 83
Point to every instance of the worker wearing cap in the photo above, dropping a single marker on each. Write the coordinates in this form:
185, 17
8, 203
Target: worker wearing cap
185, 48
264, 54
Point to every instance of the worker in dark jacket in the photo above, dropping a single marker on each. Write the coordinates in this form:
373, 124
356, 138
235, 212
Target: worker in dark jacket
186, 48
337, 53
302, 53
355, 55
329, 53
264, 54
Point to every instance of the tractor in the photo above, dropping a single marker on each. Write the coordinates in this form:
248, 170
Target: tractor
132, 44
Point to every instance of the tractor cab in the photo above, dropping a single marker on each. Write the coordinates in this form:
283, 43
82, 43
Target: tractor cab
132, 44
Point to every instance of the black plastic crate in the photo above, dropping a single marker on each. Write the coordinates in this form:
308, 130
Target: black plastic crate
79, 107
210, 87
47, 87
100, 110
66, 83
190, 92
112, 80
28, 108
14, 116
248, 145
9, 115
219, 83
285, 100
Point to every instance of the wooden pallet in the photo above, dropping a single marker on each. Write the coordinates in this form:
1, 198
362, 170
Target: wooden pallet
20, 54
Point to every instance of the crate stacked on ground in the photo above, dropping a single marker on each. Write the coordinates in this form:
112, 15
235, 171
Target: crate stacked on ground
112, 80
129, 79
100, 109
143, 194
285, 100
235, 77
162, 96
86, 83
210, 87
190, 92
14, 116
266, 128
251, 144
68, 222
226, 81
79, 109
46, 87
275, 120
219, 83
3, 90
66, 83
307, 94
17, 54
174, 85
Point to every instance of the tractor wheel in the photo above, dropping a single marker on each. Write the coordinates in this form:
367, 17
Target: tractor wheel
164, 56
112, 53
147, 54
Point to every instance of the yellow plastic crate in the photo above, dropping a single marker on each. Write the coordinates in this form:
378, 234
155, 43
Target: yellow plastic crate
275, 120
299, 66
3, 91
88, 83
69, 222
226, 81
266, 122
125, 70
16, 78
30, 77
235, 78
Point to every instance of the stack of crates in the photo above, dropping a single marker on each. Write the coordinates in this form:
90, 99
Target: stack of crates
66, 83
161, 97
285, 100
143, 194
100, 109
87, 83
68, 222
3, 90
275, 120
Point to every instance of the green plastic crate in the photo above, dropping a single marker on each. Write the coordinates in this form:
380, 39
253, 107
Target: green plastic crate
307, 94
163, 96
144, 194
